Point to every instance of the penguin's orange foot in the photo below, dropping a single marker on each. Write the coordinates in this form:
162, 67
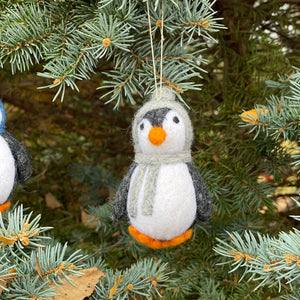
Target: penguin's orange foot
4, 206
156, 244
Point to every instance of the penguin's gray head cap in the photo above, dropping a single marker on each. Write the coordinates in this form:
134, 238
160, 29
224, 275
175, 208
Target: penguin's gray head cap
166, 95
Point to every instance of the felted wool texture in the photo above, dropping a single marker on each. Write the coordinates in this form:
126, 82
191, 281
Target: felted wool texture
134, 191
14, 161
173, 158
120, 198
163, 190
157, 116
204, 203
22, 161
156, 244
167, 101
175, 140
153, 162
7, 171
174, 203
173, 118
173, 144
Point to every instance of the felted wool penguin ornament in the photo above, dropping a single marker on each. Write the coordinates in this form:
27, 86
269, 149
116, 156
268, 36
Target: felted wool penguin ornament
14, 163
162, 193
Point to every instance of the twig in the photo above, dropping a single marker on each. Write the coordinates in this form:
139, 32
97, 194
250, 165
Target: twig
100, 250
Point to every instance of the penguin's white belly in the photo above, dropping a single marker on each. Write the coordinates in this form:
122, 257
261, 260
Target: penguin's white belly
174, 203
7, 170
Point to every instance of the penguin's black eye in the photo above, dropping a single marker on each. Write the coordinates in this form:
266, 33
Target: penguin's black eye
142, 126
176, 120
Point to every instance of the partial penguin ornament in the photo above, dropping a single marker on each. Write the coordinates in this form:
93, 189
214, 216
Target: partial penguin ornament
162, 193
14, 163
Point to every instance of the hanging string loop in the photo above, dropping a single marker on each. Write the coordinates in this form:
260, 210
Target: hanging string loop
158, 97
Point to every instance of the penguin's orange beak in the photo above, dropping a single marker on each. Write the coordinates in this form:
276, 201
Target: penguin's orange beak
157, 135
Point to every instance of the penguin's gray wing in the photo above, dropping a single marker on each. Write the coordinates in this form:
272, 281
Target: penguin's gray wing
22, 161
120, 199
204, 203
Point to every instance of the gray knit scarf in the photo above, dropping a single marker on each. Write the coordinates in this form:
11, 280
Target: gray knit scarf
153, 164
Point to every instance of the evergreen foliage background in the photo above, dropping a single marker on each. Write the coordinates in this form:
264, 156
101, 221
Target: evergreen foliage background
80, 147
